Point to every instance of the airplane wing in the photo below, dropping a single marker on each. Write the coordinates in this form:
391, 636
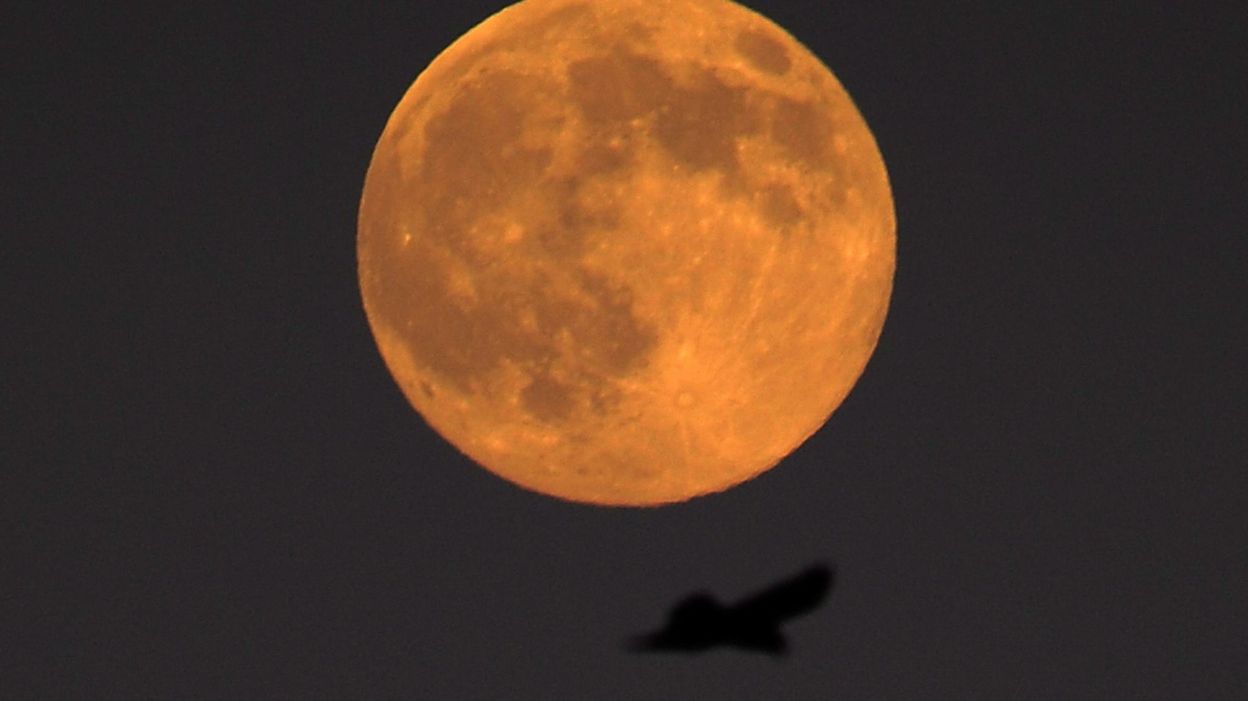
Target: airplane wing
790, 598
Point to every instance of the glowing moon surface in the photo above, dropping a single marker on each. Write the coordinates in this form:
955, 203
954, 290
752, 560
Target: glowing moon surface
626, 251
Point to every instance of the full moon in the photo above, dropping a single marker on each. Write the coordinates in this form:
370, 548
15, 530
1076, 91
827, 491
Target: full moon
626, 252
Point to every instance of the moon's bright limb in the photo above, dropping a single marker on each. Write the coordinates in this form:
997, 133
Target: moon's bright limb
626, 251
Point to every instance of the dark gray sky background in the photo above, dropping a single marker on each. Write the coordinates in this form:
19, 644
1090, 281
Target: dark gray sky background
210, 487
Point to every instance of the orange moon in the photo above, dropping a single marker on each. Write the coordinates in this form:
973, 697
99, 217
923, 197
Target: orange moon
626, 252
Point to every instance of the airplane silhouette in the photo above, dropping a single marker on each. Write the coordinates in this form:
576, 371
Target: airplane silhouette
699, 622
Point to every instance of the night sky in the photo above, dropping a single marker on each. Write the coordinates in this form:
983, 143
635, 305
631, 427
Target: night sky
211, 488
